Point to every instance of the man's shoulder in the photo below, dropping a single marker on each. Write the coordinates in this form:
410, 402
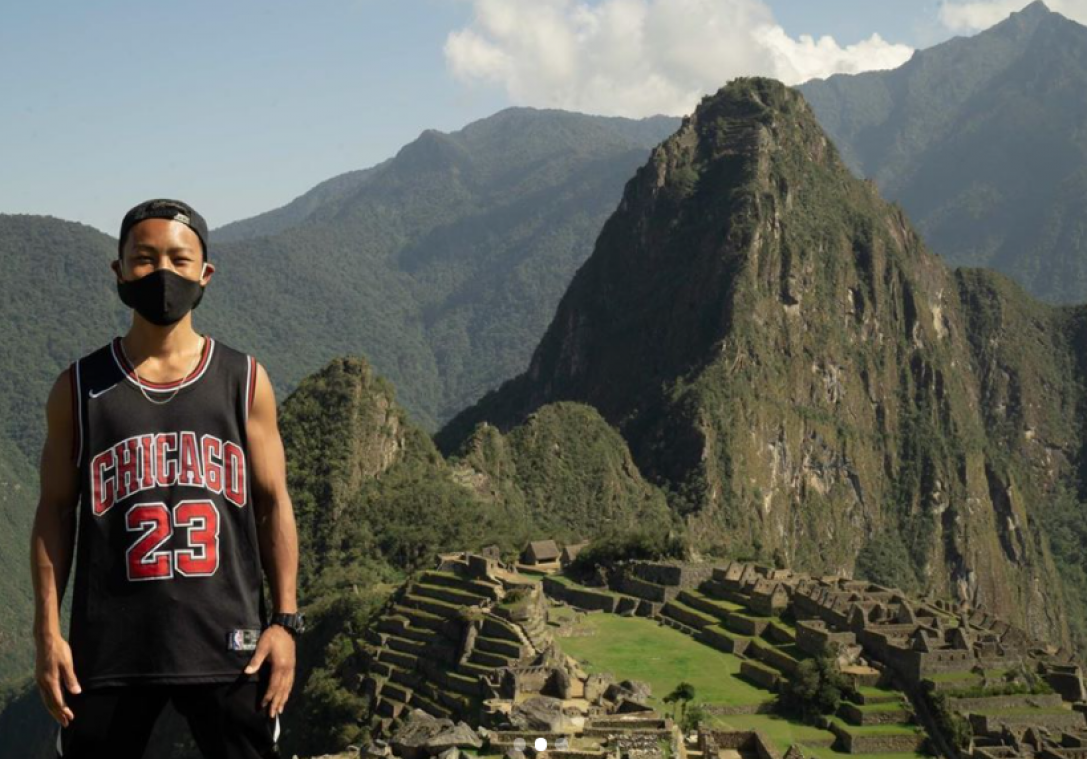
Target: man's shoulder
102, 352
228, 350
233, 357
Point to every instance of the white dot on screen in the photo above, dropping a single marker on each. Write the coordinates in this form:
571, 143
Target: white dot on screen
541, 744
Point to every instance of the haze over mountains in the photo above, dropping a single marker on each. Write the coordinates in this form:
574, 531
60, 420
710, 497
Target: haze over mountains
982, 141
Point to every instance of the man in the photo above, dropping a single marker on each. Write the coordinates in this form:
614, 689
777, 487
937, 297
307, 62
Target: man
166, 442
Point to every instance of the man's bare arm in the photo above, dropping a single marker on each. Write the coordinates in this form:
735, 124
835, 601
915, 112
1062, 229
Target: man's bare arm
52, 544
278, 538
275, 514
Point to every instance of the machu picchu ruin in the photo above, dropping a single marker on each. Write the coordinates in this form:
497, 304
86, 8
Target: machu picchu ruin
487, 657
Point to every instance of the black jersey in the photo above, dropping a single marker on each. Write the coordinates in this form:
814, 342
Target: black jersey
168, 572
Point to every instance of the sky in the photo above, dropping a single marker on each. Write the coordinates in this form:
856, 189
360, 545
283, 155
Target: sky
239, 106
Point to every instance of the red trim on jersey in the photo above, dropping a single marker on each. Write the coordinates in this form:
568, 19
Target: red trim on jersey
127, 367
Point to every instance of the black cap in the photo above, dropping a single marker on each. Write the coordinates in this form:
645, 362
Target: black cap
164, 208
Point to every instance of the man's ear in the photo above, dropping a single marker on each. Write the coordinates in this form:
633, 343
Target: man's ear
115, 264
209, 269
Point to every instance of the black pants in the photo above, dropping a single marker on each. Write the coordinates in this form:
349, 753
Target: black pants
116, 722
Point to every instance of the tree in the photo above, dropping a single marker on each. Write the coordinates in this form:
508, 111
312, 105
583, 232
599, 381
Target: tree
682, 694
693, 718
814, 688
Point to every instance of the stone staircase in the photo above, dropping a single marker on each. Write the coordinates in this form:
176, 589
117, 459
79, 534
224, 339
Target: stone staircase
439, 645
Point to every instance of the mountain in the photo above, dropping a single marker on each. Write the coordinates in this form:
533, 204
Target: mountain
441, 264
294, 213
981, 140
810, 384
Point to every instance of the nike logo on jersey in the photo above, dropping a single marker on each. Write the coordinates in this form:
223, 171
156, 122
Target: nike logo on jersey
93, 394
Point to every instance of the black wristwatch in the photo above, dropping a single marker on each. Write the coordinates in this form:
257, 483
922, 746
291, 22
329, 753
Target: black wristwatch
295, 623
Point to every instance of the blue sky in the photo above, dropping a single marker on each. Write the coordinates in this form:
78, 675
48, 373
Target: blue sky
238, 106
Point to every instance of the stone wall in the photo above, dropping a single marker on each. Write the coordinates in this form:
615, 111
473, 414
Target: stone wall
582, 598
690, 617
775, 658
1068, 681
855, 715
813, 636
716, 637
744, 625
1043, 701
642, 588
984, 724
895, 743
760, 674
710, 742
683, 576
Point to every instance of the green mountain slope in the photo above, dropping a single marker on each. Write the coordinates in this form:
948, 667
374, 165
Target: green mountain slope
981, 141
809, 382
334, 190
442, 265
370, 487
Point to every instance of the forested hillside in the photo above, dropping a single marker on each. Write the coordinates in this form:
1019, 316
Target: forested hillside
981, 140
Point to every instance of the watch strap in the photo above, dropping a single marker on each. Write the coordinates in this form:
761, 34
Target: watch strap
293, 622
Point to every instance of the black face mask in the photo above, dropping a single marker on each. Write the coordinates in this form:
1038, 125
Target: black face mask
162, 297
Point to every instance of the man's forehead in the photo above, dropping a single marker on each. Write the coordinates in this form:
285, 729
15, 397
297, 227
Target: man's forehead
151, 231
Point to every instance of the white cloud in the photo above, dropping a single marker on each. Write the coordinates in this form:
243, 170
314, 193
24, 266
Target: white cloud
641, 57
981, 14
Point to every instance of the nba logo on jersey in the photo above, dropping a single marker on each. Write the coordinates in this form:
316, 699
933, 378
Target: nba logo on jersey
242, 640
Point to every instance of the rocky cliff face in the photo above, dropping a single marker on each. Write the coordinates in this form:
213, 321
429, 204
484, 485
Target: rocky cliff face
811, 384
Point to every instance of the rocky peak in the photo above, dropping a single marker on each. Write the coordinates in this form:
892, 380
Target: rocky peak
782, 352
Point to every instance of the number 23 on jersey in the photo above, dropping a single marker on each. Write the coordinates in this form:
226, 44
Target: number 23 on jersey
147, 559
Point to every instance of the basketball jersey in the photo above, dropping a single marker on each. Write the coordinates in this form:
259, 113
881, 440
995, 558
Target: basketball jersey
168, 571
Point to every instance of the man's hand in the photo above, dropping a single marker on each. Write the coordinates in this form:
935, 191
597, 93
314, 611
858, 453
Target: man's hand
53, 667
277, 645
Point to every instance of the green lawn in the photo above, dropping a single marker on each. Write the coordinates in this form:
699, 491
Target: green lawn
893, 728
1019, 710
561, 614
640, 649
826, 753
718, 602
875, 692
883, 706
952, 677
784, 734
779, 730
564, 580
964, 675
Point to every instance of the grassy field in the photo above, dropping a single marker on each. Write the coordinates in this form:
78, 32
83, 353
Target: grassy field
888, 729
564, 580
784, 734
640, 649
779, 730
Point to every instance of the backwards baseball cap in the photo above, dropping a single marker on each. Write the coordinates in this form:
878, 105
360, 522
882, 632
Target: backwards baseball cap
164, 208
